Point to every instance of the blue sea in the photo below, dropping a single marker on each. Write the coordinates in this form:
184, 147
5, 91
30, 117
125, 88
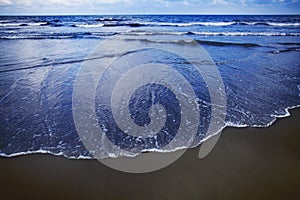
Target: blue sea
258, 58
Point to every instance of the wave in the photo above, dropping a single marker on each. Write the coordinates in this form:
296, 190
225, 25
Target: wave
67, 61
252, 23
206, 42
244, 33
41, 36
286, 50
54, 23
189, 24
89, 25
41, 151
87, 157
24, 24
36, 37
135, 32
215, 24
216, 43
116, 23
111, 22
275, 117
100, 35
109, 19
268, 23
124, 24
283, 24
138, 24
289, 43
207, 33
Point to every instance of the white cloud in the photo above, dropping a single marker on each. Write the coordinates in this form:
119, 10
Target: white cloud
187, 3
24, 2
146, 6
164, 3
220, 2
111, 1
5, 2
59, 2
278, 1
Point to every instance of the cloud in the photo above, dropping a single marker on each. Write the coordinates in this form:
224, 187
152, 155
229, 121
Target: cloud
243, 2
57, 2
5, 2
220, 2
187, 3
148, 6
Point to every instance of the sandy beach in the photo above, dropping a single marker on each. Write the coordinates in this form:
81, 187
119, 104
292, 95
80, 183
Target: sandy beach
246, 163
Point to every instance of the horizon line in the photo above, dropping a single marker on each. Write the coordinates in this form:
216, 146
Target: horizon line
85, 14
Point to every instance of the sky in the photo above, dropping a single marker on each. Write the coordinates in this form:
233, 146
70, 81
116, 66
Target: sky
99, 7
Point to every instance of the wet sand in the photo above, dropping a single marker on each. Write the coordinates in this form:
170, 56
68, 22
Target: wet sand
246, 163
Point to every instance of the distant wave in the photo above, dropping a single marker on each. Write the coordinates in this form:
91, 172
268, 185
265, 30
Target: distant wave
224, 24
40, 36
109, 19
24, 24
135, 32
268, 23
202, 24
289, 43
89, 25
283, 24
99, 35
207, 33
207, 42
286, 50
244, 34
189, 24
110, 22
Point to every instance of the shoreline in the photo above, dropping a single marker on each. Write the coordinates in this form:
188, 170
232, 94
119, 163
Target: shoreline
248, 163
288, 111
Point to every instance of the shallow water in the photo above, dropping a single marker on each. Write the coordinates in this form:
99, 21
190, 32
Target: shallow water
257, 56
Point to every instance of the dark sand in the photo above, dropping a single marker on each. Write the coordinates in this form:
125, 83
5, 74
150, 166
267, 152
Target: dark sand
246, 163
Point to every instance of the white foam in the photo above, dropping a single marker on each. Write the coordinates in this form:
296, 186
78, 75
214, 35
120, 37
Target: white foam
89, 25
249, 23
270, 23
40, 151
189, 24
216, 23
206, 33
28, 24
11, 24
153, 33
246, 34
283, 24
36, 24
286, 114
227, 124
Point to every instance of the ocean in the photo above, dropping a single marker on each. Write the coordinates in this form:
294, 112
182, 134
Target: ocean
258, 58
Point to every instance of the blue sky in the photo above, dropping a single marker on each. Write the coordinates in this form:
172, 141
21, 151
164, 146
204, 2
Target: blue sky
46, 7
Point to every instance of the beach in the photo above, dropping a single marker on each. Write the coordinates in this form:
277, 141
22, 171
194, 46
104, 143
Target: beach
246, 163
